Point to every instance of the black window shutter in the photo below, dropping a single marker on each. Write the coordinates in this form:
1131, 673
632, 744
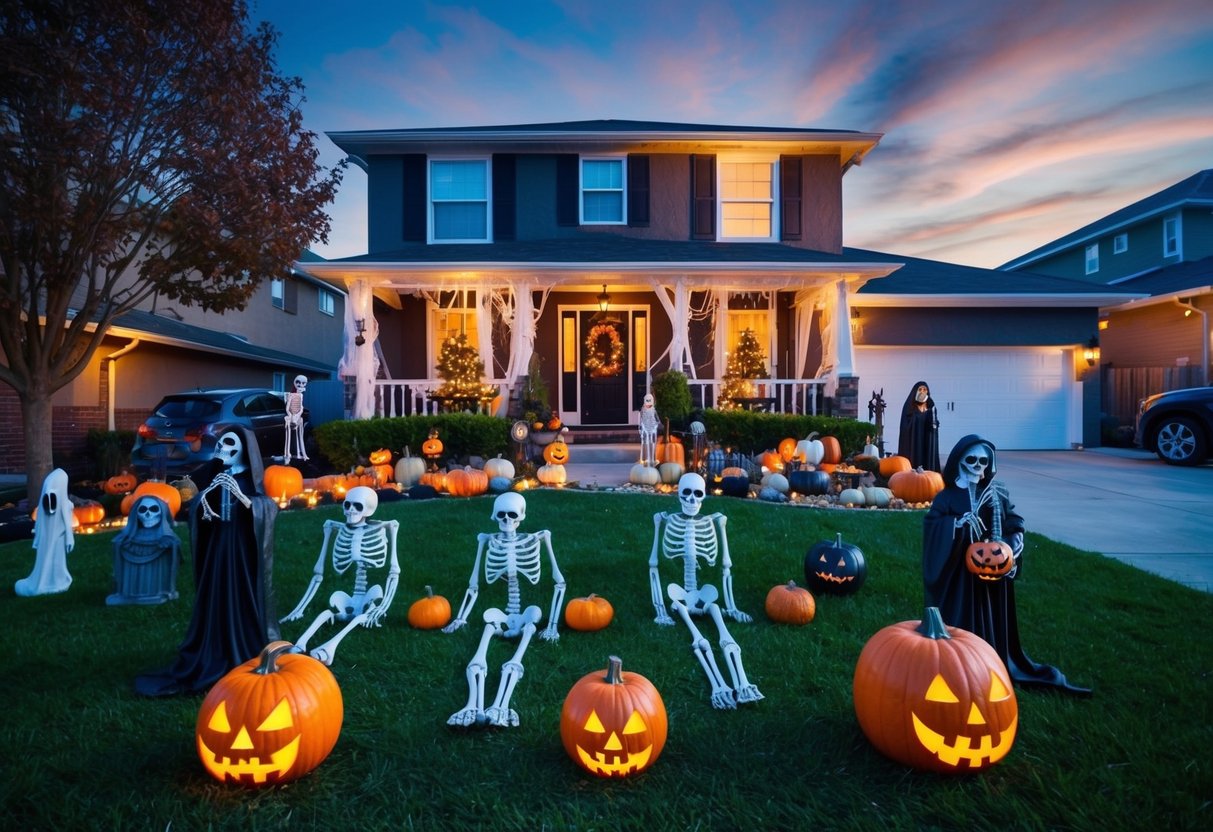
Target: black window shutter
504, 199
790, 199
638, 190
415, 198
567, 185
290, 296
703, 197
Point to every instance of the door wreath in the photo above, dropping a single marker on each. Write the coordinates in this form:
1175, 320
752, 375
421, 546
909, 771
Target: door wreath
604, 358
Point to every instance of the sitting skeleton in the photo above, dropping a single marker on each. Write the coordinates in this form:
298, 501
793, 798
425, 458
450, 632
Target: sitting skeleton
692, 538
294, 421
363, 544
509, 555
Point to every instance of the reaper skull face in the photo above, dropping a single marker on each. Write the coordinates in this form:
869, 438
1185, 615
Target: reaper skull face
921, 394
509, 510
300, 384
359, 504
975, 462
691, 489
148, 512
230, 451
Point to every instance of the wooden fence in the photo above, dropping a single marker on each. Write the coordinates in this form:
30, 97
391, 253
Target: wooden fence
1124, 387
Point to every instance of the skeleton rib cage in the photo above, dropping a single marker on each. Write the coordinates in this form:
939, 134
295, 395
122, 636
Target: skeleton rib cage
364, 546
690, 538
511, 557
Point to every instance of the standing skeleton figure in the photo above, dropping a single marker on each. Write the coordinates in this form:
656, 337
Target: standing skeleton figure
509, 555
361, 543
691, 538
294, 421
648, 431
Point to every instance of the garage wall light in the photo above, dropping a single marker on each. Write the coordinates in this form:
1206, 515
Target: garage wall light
1091, 352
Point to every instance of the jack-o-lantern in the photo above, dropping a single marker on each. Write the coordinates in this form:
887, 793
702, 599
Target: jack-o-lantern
990, 560
835, 568
787, 449
613, 725
935, 698
282, 481
120, 483
432, 446
380, 457
556, 452
270, 720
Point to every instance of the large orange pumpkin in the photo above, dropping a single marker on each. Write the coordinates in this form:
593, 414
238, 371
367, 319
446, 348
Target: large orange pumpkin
935, 698
170, 495
282, 482
435, 479
270, 720
613, 725
917, 486
593, 612
467, 482
89, 513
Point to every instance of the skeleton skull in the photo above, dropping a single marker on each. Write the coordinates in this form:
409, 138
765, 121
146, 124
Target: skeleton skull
648, 401
148, 512
691, 488
230, 451
975, 462
300, 384
359, 504
509, 510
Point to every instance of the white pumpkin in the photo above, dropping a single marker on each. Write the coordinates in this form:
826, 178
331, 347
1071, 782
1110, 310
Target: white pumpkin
811, 450
776, 481
409, 469
876, 496
642, 474
552, 474
869, 449
670, 472
499, 468
851, 497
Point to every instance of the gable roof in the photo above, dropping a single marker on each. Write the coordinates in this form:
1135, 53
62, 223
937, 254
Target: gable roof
1195, 276
1196, 190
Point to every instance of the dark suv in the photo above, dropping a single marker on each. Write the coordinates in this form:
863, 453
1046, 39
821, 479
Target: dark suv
180, 435
1177, 425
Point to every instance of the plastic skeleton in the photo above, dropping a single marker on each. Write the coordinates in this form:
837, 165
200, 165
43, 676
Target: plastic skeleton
363, 544
972, 470
294, 420
230, 451
509, 555
693, 538
648, 431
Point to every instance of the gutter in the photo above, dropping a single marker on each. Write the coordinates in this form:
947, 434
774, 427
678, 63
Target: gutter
111, 367
1185, 303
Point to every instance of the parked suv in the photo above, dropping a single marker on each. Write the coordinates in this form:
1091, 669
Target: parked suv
179, 437
1177, 425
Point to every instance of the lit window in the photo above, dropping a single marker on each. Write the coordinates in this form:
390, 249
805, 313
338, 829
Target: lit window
277, 291
459, 201
449, 323
1120, 243
1093, 258
757, 321
1170, 236
326, 301
602, 196
747, 200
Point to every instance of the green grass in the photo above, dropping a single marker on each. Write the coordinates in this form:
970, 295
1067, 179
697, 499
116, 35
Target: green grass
79, 750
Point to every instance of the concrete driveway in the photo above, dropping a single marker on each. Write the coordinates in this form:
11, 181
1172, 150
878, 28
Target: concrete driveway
1126, 504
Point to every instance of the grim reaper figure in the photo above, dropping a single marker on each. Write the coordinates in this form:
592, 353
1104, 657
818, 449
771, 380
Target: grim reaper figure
146, 554
972, 507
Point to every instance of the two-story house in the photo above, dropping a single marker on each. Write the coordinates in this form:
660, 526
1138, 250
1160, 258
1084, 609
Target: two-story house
612, 250
1161, 249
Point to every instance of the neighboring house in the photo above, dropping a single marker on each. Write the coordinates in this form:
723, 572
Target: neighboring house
290, 326
1161, 249
613, 250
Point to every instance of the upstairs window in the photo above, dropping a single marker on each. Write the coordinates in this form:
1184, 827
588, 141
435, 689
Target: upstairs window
326, 302
284, 294
1092, 258
747, 199
1170, 236
459, 201
602, 192
1120, 243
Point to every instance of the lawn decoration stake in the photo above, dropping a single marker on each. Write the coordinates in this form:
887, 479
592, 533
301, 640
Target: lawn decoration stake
363, 544
509, 555
649, 423
613, 725
146, 554
294, 421
53, 539
232, 538
974, 596
687, 536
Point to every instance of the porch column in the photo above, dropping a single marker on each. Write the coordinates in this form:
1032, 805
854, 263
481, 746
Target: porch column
358, 360
679, 313
844, 345
521, 321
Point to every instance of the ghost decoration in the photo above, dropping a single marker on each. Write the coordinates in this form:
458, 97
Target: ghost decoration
146, 555
53, 539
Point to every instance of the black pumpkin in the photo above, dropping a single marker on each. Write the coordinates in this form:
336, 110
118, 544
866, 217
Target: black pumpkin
735, 486
835, 568
804, 481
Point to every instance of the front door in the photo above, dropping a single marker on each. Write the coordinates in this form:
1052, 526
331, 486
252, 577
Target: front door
604, 368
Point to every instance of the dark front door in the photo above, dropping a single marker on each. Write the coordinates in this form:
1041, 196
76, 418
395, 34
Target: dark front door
604, 369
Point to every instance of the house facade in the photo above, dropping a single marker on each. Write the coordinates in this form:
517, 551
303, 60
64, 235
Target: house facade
600, 253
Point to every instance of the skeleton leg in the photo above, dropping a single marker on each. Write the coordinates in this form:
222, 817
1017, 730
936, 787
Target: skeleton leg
286, 445
500, 713
722, 694
746, 692
342, 602
473, 712
322, 619
302, 451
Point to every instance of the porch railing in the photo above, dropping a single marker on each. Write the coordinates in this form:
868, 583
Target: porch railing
410, 396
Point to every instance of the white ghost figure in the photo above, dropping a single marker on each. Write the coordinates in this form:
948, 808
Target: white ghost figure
53, 539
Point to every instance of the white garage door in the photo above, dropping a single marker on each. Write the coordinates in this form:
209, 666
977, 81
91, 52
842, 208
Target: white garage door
1017, 397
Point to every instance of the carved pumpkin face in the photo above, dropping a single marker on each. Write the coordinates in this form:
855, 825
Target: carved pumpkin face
556, 453
935, 698
380, 457
989, 560
613, 725
836, 568
432, 446
270, 720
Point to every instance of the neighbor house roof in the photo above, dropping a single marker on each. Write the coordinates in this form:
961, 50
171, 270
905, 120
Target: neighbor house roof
1164, 285
1195, 191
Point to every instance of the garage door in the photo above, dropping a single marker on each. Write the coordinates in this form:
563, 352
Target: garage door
1017, 397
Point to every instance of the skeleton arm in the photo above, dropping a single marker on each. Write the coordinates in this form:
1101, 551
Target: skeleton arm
330, 526
393, 578
726, 573
550, 632
469, 597
655, 593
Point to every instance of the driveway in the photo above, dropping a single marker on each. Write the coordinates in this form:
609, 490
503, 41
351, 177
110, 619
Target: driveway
1123, 503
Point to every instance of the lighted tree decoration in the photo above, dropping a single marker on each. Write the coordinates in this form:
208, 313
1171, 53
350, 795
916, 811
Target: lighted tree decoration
745, 364
461, 371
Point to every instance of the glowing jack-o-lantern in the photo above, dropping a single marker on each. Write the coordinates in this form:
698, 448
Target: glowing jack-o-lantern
989, 560
935, 698
270, 720
613, 725
835, 568
557, 452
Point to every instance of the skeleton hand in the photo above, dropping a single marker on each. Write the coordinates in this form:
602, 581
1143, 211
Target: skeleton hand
373, 617
663, 617
454, 625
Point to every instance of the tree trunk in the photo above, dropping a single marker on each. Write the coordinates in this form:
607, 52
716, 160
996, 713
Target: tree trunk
36, 419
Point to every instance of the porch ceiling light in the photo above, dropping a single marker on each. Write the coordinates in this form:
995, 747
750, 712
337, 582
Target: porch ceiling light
604, 300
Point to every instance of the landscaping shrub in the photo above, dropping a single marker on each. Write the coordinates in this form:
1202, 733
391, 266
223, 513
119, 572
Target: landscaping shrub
672, 397
347, 443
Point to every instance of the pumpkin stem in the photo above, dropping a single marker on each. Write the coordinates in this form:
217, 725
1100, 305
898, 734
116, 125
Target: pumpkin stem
269, 657
932, 625
429, 591
791, 584
614, 673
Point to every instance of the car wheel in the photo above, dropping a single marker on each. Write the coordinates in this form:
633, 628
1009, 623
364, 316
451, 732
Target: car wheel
1179, 441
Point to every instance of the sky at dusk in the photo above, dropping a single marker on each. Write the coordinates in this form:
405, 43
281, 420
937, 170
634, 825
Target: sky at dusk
1005, 124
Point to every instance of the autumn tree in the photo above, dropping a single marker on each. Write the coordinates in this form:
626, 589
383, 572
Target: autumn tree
147, 147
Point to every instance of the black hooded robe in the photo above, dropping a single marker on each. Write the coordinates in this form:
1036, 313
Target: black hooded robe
918, 433
986, 608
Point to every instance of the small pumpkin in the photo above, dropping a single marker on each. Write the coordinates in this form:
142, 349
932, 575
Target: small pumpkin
556, 452
500, 485
776, 481
870, 449
671, 472
186, 488
735, 486
891, 465
771, 460
466, 482
432, 446
270, 720
670, 448
935, 698
409, 469
431, 612
613, 725
851, 497
835, 568
917, 486
282, 481
499, 467
122, 483
990, 559
554, 423
552, 474
88, 512
876, 496
833, 450
641, 474
790, 604
380, 457
593, 612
